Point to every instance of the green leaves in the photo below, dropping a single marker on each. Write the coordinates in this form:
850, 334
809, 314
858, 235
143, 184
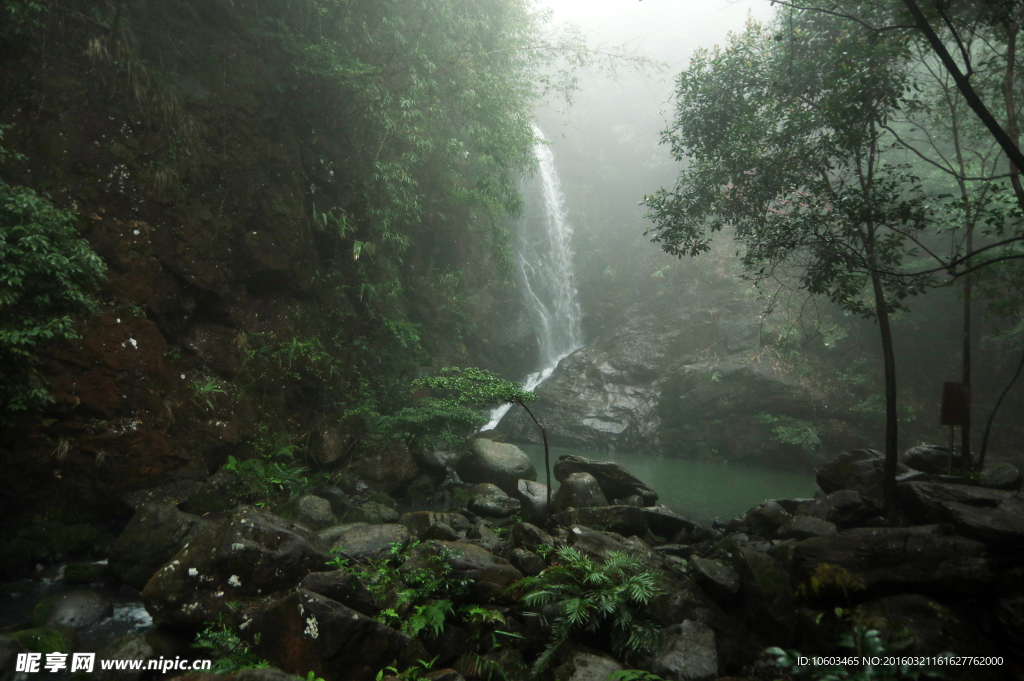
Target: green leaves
46, 274
589, 596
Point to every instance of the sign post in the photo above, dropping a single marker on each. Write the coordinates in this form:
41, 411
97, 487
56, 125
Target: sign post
956, 411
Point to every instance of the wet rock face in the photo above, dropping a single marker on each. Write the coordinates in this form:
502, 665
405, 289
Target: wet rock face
674, 379
249, 555
859, 470
501, 464
995, 517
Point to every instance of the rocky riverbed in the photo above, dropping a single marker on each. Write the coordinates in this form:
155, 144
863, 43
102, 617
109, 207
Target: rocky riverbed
329, 582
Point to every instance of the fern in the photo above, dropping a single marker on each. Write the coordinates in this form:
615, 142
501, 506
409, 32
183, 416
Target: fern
428, 616
232, 652
591, 596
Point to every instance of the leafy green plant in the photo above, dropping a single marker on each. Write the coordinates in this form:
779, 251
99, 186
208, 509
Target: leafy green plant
612, 596
204, 392
231, 651
790, 431
862, 642
46, 274
413, 673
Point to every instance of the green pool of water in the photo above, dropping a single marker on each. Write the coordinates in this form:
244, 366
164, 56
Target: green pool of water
698, 490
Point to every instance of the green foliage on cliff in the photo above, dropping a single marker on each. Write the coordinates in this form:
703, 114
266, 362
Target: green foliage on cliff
46, 273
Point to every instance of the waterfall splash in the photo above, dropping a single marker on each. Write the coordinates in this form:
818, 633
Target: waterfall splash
544, 263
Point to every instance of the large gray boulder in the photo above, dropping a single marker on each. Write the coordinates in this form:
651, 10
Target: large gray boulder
312, 511
496, 462
587, 665
533, 496
431, 525
490, 575
688, 653
365, 541
75, 609
615, 481
248, 556
386, 468
154, 534
579, 490
929, 459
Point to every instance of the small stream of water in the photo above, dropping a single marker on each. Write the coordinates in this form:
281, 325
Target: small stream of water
698, 490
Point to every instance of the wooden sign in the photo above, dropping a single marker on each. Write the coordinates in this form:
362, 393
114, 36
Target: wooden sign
956, 404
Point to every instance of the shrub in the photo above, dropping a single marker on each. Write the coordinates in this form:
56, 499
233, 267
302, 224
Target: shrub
590, 597
46, 272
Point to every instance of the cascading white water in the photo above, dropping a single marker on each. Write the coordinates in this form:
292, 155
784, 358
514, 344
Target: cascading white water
544, 262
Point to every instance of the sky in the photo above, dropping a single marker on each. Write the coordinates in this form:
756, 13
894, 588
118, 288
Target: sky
668, 30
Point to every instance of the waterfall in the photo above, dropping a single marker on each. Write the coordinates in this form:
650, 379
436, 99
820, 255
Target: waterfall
543, 258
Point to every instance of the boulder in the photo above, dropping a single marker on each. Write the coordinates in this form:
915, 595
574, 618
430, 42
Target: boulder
154, 534
533, 496
216, 494
587, 665
363, 541
765, 518
1001, 475
845, 508
914, 559
928, 459
992, 516
493, 503
306, 632
715, 577
312, 511
74, 609
130, 647
688, 653
768, 601
490, 574
421, 489
860, 470
431, 525
499, 463
332, 445
625, 520
250, 554
579, 490
805, 527
386, 468
344, 587
615, 481
336, 497
529, 537
667, 523
527, 562
372, 512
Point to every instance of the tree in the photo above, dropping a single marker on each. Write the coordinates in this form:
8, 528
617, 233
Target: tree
468, 390
785, 147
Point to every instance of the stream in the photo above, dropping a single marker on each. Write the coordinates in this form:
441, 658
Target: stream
698, 490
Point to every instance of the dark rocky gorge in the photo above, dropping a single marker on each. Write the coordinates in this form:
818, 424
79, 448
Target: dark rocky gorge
313, 585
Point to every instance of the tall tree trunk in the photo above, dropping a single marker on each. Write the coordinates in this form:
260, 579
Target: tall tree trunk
889, 360
1012, 28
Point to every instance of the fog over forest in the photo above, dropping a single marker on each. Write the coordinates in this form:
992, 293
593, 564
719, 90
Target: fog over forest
464, 340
